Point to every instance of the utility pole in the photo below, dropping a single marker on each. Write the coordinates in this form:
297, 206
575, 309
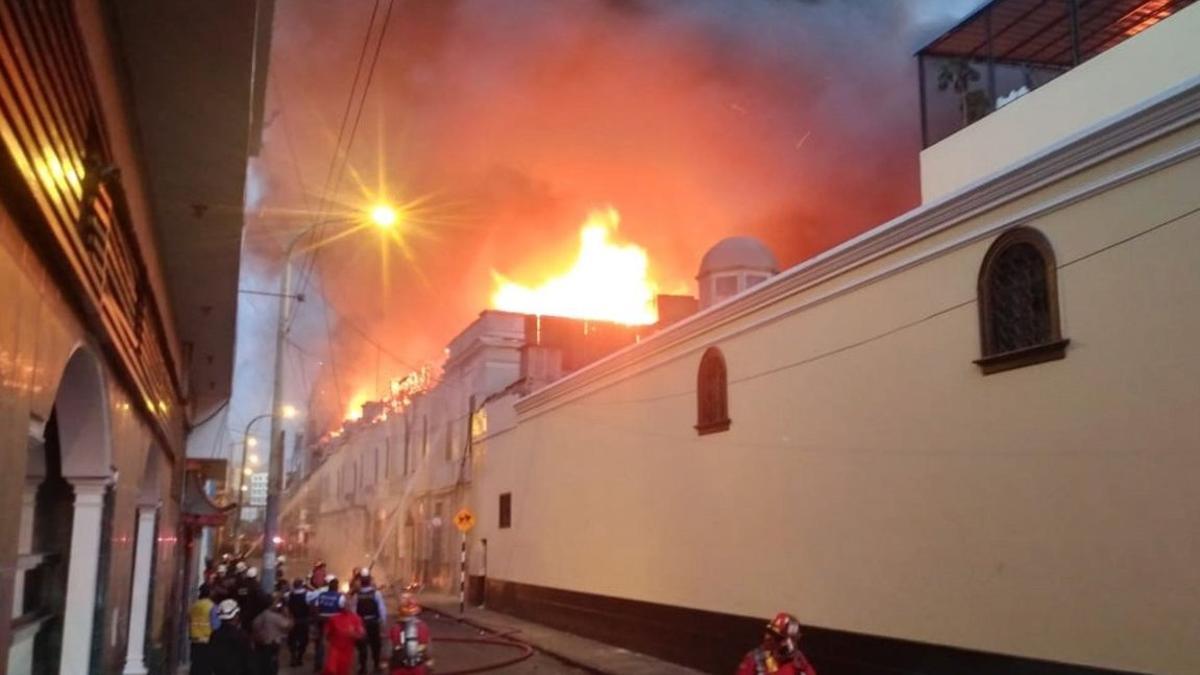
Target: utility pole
384, 217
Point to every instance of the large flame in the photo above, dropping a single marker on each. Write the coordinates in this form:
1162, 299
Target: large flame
607, 282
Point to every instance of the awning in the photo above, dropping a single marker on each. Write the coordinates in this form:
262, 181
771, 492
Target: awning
1049, 32
198, 509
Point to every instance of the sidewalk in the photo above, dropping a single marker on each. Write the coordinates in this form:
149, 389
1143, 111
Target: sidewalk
577, 651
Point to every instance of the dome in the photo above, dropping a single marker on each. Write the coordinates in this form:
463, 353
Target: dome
738, 253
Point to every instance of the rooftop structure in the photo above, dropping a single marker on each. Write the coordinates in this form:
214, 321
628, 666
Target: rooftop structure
997, 59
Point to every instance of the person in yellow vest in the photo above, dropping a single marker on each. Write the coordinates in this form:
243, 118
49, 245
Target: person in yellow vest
199, 631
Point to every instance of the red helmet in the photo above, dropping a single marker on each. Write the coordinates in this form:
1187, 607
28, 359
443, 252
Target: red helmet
784, 632
408, 605
784, 626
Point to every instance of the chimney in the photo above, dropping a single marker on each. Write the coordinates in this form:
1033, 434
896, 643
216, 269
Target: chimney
540, 365
673, 308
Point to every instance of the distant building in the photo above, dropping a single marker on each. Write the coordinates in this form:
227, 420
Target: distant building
258, 489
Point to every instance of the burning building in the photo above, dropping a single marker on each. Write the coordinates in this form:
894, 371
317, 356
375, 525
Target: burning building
396, 471
960, 442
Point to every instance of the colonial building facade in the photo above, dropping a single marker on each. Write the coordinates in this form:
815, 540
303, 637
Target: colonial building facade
124, 134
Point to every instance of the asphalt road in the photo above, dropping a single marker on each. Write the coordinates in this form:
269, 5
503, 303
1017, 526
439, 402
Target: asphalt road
455, 656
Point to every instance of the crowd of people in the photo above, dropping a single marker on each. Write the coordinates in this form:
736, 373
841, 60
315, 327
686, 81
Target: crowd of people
237, 628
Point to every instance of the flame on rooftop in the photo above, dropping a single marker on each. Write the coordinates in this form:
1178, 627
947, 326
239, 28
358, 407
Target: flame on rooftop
608, 280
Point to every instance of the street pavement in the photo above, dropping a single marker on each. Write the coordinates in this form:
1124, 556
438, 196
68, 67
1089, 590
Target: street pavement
454, 656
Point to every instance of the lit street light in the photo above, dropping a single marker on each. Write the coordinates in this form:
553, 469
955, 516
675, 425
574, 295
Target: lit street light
248, 442
383, 217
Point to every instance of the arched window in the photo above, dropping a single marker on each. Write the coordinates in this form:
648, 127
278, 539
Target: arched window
1018, 303
712, 393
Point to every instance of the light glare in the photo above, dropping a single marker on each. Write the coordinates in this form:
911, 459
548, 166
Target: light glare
383, 216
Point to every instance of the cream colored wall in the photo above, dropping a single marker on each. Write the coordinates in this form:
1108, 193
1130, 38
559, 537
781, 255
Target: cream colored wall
1147, 64
873, 480
38, 334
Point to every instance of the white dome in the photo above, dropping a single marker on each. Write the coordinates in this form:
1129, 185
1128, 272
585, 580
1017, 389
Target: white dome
738, 253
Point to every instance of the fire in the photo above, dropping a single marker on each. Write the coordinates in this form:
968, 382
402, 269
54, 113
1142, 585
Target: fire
354, 411
607, 282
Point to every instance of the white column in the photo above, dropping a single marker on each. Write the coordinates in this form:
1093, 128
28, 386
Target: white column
135, 652
81, 575
24, 540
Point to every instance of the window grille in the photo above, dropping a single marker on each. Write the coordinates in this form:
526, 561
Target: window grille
1018, 303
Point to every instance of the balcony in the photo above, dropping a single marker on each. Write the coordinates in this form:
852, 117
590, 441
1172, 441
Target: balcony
998, 58
1009, 48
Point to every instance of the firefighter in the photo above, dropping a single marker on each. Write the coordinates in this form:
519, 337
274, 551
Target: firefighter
250, 596
301, 611
317, 579
779, 651
370, 608
229, 649
328, 604
342, 631
412, 652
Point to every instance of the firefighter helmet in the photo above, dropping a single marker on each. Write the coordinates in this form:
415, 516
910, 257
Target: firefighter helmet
408, 605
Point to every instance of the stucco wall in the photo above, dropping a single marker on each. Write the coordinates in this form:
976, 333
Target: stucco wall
38, 333
1162, 57
874, 481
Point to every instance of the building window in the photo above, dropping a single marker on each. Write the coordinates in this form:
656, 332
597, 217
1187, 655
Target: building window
1018, 303
725, 286
506, 510
712, 393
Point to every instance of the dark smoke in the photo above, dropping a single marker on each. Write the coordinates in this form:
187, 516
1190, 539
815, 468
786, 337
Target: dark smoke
791, 120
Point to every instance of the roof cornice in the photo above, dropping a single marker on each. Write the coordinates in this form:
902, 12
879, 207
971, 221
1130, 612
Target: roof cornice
1139, 125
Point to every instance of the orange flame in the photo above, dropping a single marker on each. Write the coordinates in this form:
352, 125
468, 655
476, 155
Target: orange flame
354, 411
607, 282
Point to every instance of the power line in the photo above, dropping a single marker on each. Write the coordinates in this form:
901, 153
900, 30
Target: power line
337, 172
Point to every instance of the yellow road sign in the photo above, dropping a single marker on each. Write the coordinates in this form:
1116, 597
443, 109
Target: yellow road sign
464, 520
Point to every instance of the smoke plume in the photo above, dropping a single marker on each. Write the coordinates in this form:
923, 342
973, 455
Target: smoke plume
794, 121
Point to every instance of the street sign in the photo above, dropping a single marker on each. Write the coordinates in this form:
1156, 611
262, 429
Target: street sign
464, 520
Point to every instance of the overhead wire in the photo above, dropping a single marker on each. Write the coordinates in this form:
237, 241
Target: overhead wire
339, 173
337, 145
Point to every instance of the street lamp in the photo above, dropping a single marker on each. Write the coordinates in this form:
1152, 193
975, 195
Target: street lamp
247, 443
383, 217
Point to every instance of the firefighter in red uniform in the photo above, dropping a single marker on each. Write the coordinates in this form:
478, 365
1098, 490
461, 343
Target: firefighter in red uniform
779, 651
411, 652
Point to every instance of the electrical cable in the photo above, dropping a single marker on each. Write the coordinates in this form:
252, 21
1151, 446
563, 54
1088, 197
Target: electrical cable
338, 175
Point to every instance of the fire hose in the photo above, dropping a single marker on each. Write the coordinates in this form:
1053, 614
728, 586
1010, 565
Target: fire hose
526, 652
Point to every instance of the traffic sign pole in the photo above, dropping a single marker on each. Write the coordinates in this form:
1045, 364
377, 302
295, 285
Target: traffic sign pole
464, 520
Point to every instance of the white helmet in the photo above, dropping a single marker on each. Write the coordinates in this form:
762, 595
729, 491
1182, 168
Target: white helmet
240, 568
227, 609
252, 573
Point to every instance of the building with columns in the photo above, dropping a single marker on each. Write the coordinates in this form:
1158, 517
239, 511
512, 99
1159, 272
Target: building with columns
125, 130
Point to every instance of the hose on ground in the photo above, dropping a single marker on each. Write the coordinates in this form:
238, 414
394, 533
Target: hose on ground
526, 652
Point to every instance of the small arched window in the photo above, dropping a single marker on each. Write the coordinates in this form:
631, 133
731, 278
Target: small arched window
1018, 303
712, 393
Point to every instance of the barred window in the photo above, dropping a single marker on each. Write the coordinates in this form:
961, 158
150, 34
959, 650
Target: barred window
1018, 303
712, 393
